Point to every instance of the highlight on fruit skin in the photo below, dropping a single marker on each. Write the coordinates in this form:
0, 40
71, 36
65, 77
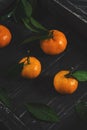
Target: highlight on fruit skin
54, 45
5, 36
31, 68
63, 84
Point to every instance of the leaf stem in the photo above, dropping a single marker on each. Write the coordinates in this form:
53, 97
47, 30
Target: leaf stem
34, 38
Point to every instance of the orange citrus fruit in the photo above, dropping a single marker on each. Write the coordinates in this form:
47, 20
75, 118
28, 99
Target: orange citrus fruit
5, 36
54, 45
64, 84
31, 68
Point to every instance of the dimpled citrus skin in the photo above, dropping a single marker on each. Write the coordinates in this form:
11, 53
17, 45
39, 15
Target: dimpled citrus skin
55, 45
31, 69
5, 36
64, 85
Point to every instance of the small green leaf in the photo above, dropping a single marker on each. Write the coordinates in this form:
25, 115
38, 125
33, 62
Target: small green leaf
37, 24
27, 8
80, 75
28, 24
42, 112
4, 97
81, 109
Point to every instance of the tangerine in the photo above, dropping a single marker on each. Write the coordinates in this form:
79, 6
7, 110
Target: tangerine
64, 84
31, 68
54, 45
5, 36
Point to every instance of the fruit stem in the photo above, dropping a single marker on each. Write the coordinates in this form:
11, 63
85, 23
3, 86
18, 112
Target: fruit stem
51, 34
28, 57
70, 73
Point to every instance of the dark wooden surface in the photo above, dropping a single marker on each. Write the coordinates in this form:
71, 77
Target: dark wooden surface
41, 89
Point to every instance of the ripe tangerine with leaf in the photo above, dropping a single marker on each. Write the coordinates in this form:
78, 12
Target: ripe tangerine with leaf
55, 44
31, 67
65, 84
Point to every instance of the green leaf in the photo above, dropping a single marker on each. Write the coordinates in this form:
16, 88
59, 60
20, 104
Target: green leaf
81, 109
29, 21
80, 75
27, 8
4, 97
28, 24
42, 112
37, 24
